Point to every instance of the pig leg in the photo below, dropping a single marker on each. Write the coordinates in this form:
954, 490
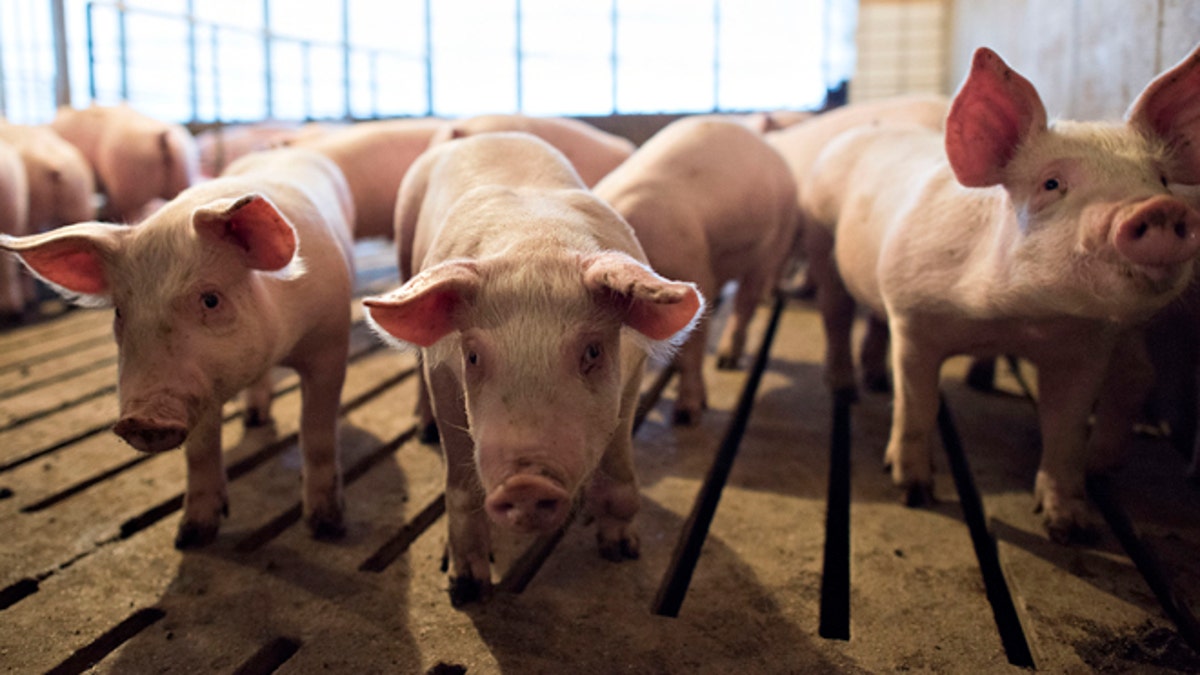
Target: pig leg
745, 301
612, 496
470, 546
427, 431
873, 355
1067, 391
320, 391
257, 402
1127, 383
837, 312
914, 415
692, 399
12, 289
205, 500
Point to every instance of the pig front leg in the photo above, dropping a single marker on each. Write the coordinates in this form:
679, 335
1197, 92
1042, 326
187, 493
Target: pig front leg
612, 496
320, 391
914, 415
205, 500
470, 544
1066, 394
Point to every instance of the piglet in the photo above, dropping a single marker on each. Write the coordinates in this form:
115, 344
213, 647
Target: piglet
711, 202
231, 277
1010, 235
593, 152
534, 308
136, 158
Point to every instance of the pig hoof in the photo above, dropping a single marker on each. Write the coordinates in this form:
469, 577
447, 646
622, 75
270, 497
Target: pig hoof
326, 528
686, 418
1072, 532
253, 418
195, 535
727, 362
428, 433
919, 494
465, 590
620, 550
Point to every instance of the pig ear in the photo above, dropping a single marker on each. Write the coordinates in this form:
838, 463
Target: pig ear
254, 226
1169, 108
422, 311
658, 308
994, 111
72, 258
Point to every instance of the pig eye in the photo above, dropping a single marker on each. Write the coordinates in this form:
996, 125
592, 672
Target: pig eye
1163, 179
473, 358
591, 358
1050, 185
210, 300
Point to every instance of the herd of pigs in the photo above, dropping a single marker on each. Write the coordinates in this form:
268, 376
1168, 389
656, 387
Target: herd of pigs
543, 261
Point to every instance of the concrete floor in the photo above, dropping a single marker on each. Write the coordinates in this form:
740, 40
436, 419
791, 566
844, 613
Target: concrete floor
90, 579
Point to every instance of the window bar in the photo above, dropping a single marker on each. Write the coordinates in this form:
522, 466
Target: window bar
62, 76
122, 50
716, 59
428, 60
91, 49
346, 59
612, 55
193, 90
214, 38
520, 60
268, 84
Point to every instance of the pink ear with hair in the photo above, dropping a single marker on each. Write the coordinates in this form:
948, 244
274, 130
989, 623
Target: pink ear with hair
1169, 108
71, 257
254, 226
993, 112
657, 308
423, 310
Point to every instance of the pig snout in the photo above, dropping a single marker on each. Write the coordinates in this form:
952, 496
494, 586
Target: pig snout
150, 435
529, 503
1161, 231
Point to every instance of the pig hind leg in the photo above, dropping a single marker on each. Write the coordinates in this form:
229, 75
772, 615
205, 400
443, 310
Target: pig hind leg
873, 356
837, 313
745, 301
206, 499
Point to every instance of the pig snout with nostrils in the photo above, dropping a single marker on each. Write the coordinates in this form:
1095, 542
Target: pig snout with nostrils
1010, 235
534, 307
228, 279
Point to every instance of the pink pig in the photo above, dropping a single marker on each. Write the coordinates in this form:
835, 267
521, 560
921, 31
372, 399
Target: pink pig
1011, 236
61, 186
593, 152
710, 202
14, 220
137, 159
534, 307
374, 157
231, 277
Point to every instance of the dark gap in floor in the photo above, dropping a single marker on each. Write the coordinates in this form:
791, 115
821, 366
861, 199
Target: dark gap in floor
269, 657
92, 653
398, 545
17, 591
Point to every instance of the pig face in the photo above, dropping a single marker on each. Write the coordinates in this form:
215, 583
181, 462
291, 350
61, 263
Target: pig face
1090, 199
539, 351
190, 326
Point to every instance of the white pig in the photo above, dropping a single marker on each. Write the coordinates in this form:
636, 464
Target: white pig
710, 202
137, 159
231, 277
14, 220
1010, 235
60, 182
593, 152
533, 305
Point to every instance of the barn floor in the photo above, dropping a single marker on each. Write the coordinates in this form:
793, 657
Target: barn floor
787, 580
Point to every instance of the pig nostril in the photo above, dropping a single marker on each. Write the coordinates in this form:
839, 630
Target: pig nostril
1181, 230
1140, 230
547, 505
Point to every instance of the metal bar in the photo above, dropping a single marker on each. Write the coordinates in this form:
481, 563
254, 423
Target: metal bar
346, 59
834, 622
268, 81
122, 51
716, 58
520, 59
428, 60
91, 47
612, 54
62, 74
193, 85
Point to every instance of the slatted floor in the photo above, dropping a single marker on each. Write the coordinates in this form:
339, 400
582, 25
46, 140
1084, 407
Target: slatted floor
89, 578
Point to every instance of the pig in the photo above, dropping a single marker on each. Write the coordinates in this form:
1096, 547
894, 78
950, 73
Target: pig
593, 152
374, 157
1010, 235
233, 276
711, 202
61, 187
14, 221
220, 146
534, 309
772, 120
801, 144
136, 158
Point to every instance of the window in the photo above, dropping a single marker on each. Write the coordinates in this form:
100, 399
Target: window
248, 60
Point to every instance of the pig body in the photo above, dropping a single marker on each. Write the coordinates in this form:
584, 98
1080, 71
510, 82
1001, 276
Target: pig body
14, 220
593, 152
1008, 236
137, 159
374, 156
533, 306
230, 278
800, 145
59, 179
221, 146
711, 202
